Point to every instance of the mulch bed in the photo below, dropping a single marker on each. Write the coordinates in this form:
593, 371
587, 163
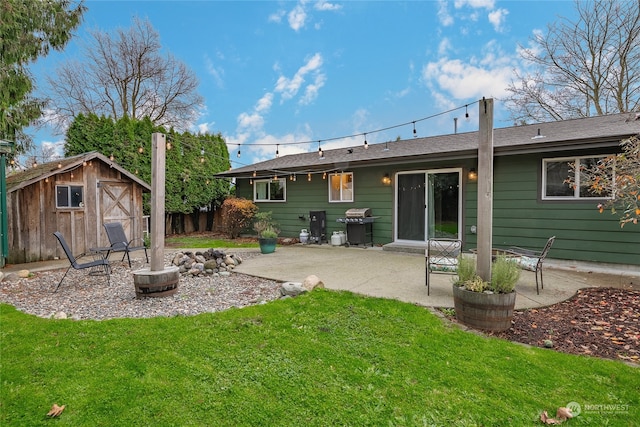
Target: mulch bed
601, 322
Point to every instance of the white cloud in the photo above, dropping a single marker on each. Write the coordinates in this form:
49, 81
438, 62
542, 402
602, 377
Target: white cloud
444, 46
53, 149
215, 72
311, 91
474, 79
297, 17
251, 121
443, 14
325, 5
497, 18
264, 103
475, 4
277, 16
289, 87
205, 127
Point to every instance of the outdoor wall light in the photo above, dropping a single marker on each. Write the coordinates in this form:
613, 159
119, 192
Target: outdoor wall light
386, 179
473, 175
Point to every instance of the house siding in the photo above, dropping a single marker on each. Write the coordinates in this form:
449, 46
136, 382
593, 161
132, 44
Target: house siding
521, 217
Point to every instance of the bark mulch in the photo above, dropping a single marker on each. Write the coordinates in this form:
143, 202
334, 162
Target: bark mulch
601, 322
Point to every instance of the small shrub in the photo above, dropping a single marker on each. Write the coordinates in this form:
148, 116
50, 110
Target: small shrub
237, 214
265, 226
476, 284
466, 269
504, 275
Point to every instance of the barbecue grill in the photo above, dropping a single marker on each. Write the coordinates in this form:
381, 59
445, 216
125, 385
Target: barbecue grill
359, 226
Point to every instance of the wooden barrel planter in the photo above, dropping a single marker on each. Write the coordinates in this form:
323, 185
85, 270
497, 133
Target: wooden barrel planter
156, 284
492, 312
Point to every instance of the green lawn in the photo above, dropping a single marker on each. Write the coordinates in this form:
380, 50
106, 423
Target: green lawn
322, 359
205, 242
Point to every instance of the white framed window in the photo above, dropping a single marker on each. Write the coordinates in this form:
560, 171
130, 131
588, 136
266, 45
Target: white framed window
69, 196
341, 187
556, 172
270, 190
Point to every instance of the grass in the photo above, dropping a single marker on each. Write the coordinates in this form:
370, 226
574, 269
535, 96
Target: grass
322, 359
205, 242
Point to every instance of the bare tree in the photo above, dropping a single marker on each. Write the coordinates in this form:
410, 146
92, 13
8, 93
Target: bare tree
583, 68
125, 75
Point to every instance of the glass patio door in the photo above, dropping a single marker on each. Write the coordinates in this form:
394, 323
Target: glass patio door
428, 205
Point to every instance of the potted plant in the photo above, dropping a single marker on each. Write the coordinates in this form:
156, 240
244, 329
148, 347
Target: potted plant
486, 305
267, 230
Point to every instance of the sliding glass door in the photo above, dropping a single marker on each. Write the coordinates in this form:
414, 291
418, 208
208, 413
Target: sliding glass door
428, 205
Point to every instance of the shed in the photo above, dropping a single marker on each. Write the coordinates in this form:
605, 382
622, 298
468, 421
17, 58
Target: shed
76, 196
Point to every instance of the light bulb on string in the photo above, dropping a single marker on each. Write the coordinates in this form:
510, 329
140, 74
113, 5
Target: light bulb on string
366, 144
277, 150
320, 154
140, 150
111, 157
309, 177
324, 175
202, 155
238, 155
466, 112
415, 132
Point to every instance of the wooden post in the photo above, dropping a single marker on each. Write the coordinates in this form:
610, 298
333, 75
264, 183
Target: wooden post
158, 161
485, 188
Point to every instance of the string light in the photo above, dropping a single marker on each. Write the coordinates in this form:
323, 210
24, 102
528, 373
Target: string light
466, 113
324, 175
309, 177
366, 144
238, 155
140, 149
277, 151
202, 155
415, 132
111, 157
59, 165
320, 154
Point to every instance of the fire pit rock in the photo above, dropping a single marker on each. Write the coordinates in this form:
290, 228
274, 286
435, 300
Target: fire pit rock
209, 262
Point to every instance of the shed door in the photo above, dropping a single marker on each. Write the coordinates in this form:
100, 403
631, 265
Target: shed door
116, 205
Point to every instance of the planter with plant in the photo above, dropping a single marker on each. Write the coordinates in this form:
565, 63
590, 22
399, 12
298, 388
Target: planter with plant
486, 305
267, 230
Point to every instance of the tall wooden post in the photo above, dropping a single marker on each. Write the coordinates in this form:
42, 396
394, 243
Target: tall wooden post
485, 188
158, 161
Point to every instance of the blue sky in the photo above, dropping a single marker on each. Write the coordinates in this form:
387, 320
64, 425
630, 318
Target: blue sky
284, 72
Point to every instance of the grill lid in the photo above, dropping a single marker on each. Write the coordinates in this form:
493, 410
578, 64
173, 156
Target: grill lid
358, 213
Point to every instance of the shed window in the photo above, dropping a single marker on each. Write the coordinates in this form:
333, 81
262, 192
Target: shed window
69, 196
270, 190
341, 187
555, 173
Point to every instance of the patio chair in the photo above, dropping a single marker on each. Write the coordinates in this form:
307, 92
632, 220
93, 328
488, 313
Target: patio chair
532, 260
100, 265
119, 242
442, 256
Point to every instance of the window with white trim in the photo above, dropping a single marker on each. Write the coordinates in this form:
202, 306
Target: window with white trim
69, 196
270, 190
555, 173
341, 187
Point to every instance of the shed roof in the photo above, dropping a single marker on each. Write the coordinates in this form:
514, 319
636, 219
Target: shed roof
590, 132
24, 178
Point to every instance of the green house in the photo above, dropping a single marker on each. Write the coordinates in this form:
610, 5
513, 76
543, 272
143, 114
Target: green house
421, 188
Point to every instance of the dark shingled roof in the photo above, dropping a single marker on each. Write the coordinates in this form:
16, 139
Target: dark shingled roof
24, 178
591, 132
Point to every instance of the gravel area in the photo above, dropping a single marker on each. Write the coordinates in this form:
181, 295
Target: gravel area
82, 296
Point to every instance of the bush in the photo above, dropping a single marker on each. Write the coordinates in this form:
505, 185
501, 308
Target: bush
505, 273
237, 214
265, 226
466, 269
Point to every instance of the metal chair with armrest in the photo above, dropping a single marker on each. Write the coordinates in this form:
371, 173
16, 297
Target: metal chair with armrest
119, 242
532, 259
442, 255
100, 263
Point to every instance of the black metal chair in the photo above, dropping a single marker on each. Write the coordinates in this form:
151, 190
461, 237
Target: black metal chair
442, 256
100, 265
532, 259
119, 242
